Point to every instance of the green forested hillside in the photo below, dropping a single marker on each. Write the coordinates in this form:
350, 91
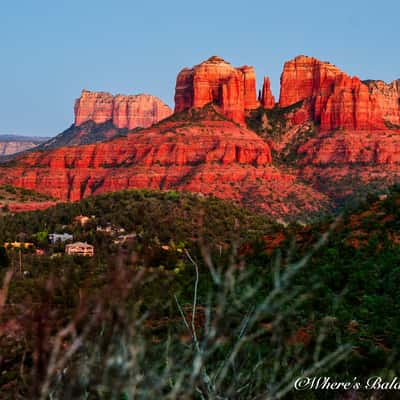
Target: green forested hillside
208, 280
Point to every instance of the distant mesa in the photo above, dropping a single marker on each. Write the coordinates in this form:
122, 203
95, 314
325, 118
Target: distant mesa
12, 144
141, 110
101, 116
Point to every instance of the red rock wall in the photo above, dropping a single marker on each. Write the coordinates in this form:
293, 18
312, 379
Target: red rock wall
250, 91
125, 111
267, 100
351, 106
389, 99
334, 99
94, 106
306, 77
346, 147
212, 156
215, 80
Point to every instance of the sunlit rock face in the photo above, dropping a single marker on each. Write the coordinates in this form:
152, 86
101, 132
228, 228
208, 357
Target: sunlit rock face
217, 81
267, 100
335, 100
142, 110
389, 99
208, 155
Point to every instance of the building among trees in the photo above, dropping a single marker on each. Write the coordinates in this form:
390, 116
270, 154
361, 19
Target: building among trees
79, 249
60, 237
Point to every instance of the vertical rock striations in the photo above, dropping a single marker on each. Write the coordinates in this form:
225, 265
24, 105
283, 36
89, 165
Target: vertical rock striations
389, 99
216, 81
93, 106
129, 112
333, 98
349, 106
266, 98
207, 155
306, 77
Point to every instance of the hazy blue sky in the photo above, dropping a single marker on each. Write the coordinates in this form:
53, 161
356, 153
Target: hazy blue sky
50, 50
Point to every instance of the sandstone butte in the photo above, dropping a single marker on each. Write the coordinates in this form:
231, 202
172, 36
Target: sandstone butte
142, 110
207, 149
361, 117
356, 139
207, 155
216, 81
335, 100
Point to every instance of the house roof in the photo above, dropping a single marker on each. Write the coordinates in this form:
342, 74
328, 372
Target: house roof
79, 244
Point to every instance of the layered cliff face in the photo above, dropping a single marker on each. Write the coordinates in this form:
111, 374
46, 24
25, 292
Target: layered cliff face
341, 134
128, 112
354, 145
379, 148
100, 116
205, 154
330, 97
217, 81
331, 135
350, 106
389, 99
306, 77
356, 122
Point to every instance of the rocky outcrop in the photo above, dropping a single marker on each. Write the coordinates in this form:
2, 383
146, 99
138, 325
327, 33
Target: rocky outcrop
389, 99
266, 98
9, 147
93, 106
152, 147
208, 155
331, 98
332, 135
345, 147
100, 116
217, 81
12, 144
29, 206
349, 106
306, 77
128, 112
86, 133
250, 91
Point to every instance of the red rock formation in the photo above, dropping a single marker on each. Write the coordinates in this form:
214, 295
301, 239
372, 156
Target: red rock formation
210, 156
333, 99
93, 106
351, 162
215, 80
389, 99
30, 206
130, 112
267, 99
349, 106
346, 147
306, 77
250, 92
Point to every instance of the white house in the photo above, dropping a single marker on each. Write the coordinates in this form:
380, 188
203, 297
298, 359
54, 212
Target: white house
60, 237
